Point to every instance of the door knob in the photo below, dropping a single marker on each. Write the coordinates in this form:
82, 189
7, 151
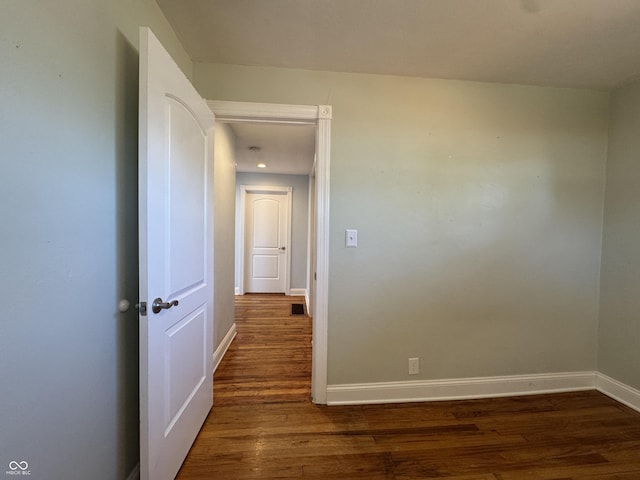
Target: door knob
123, 305
283, 248
158, 305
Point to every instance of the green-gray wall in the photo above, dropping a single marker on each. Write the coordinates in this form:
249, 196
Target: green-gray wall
479, 210
224, 179
68, 136
619, 347
299, 219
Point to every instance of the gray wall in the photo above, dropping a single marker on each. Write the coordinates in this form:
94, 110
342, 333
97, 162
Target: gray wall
299, 219
619, 352
224, 231
479, 209
68, 134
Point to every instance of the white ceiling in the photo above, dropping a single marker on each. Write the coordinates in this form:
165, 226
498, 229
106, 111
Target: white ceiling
566, 43
563, 43
286, 149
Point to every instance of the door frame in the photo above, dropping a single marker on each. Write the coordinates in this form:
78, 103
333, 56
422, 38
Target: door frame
319, 115
244, 190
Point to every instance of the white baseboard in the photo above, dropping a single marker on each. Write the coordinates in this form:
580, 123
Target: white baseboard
135, 473
458, 389
618, 391
294, 292
307, 302
224, 346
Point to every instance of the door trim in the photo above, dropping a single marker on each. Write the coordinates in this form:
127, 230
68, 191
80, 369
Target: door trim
319, 115
244, 190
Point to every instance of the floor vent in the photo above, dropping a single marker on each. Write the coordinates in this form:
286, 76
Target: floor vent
297, 309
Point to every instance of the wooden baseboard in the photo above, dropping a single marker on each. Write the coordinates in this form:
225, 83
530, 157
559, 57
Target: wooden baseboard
224, 346
458, 389
620, 392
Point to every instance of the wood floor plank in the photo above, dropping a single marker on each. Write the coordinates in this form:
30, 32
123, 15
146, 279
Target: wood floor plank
263, 425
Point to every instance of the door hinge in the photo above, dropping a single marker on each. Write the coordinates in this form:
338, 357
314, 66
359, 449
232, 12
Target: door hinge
142, 308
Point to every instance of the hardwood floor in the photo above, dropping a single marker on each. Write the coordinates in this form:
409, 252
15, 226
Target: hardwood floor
270, 359
263, 425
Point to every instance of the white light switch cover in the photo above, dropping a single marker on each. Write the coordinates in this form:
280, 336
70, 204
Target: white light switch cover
351, 237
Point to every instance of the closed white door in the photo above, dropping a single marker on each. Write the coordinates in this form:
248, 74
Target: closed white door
267, 235
176, 264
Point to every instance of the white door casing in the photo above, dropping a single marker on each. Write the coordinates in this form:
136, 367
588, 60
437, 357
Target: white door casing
319, 115
311, 246
176, 264
267, 238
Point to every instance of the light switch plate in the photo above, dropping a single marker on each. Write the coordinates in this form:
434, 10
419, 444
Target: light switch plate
351, 237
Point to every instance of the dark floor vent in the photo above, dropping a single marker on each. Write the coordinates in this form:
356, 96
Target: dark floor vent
297, 309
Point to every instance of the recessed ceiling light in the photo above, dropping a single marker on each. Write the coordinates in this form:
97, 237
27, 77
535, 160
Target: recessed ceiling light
261, 165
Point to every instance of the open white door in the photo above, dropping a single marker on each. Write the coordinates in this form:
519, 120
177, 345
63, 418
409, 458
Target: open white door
176, 264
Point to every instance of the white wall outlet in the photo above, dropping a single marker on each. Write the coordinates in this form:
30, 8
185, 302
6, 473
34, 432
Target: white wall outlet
351, 237
414, 366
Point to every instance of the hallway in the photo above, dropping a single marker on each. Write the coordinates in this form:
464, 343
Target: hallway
270, 359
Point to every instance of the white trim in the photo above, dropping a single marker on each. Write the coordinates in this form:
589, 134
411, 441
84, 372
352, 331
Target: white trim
218, 355
320, 312
265, 112
307, 301
620, 392
239, 290
458, 389
135, 473
311, 245
266, 189
236, 291
287, 273
247, 189
319, 115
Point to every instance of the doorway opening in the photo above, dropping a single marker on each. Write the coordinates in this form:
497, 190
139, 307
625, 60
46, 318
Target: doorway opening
318, 239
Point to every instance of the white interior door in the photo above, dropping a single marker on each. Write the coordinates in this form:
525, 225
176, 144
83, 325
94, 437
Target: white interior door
267, 233
176, 264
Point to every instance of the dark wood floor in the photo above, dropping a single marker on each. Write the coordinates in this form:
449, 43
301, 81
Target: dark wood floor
263, 425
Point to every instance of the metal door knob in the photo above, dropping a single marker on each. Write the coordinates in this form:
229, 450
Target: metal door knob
283, 248
158, 305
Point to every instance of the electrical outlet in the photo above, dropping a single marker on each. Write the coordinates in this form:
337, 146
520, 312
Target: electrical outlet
414, 366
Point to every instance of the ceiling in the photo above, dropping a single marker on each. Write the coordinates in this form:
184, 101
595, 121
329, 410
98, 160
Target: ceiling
562, 43
285, 149
565, 43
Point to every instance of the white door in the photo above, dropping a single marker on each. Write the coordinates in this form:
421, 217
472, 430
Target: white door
267, 232
176, 264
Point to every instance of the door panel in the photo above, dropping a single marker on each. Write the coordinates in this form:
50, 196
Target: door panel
186, 197
176, 241
266, 222
185, 348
